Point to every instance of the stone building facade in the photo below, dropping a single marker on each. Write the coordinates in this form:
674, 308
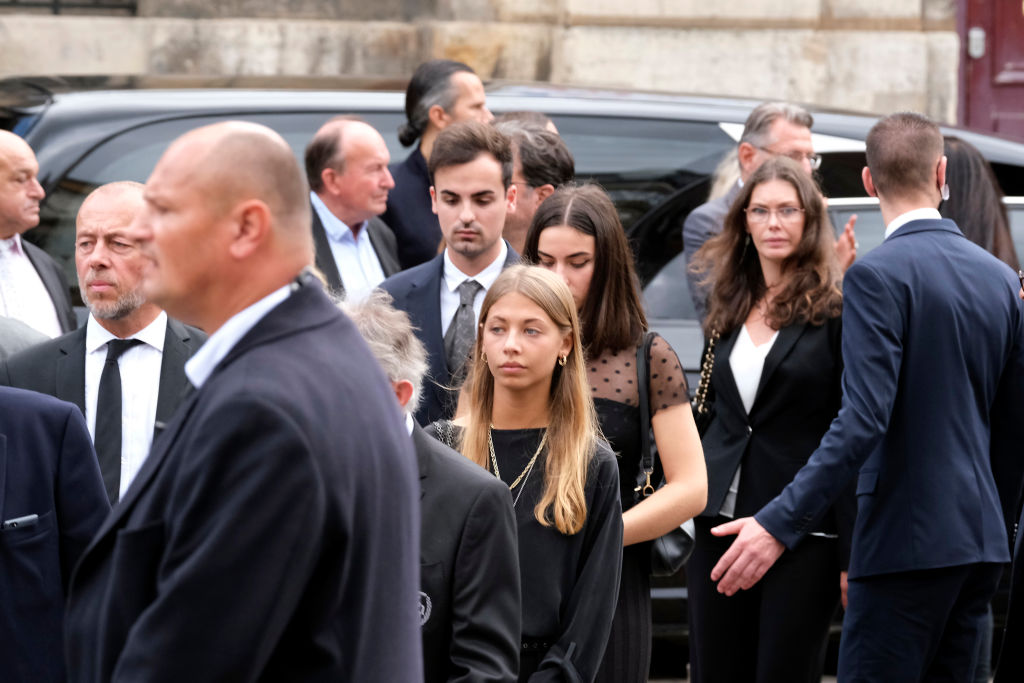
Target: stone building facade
869, 55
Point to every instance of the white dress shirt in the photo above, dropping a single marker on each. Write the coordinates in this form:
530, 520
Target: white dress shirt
453, 277
747, 363
915, 215
23, 295
357, 261
201, 365
140, 388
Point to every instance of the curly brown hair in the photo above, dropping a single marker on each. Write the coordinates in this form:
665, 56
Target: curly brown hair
733, 270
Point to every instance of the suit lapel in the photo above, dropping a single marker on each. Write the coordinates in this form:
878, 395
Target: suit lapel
70, 369
173, 382
725, 384
388, 259
324, 255
422, 448
53, 285
425, 296
784, 343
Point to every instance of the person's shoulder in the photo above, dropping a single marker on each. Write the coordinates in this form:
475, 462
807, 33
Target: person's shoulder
19, 404
192, 336
450, 465
45, 352
401, 282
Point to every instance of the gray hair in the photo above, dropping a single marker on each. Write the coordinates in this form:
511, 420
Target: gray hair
543, 156
392, 339
761, 119
431, 84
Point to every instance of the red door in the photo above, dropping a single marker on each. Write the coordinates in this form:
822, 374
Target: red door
992, 52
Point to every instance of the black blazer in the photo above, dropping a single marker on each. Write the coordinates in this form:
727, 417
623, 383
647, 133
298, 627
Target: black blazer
271, 534
417, 291
47, 468
57, 367
410, 213
381, 237
469, 569
798, 396
56, 285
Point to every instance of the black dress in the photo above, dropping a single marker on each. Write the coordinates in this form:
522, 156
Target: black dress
569, 582
613, 382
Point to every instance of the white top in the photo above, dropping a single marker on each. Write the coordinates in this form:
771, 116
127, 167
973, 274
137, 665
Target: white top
453, 277
201, 365
140, 388
747, 363
357, 261
23, 295
904, 218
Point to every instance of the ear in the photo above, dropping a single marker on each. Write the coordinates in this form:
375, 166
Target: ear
403, 391
940, 172
745, 154
566, 345
869, 185
251, 225
543, 192
328, 176
433, 200
438, 117
510, 198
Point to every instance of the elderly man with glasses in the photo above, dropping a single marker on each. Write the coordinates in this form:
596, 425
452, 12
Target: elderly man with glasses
772, 129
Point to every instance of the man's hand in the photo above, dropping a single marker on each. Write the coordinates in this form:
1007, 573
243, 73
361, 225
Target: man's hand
846, 245
748, 558
843, 585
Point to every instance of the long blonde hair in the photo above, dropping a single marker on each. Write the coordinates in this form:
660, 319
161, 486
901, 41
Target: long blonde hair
572, 423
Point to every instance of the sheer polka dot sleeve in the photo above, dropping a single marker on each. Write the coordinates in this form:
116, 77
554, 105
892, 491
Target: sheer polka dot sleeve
667, 379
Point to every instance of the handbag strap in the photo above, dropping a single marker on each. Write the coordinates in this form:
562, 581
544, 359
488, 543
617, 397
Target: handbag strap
643, 477
707, 365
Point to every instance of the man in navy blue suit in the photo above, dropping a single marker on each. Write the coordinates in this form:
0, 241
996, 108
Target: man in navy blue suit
933, 342
471, 167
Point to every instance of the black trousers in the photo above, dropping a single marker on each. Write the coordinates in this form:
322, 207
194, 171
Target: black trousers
776, 631
916, 626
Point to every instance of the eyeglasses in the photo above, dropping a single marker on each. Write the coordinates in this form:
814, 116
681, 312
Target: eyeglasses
813, 159
761, 215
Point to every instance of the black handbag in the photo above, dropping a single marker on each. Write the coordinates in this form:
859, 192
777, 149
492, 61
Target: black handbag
703, 405
671, 551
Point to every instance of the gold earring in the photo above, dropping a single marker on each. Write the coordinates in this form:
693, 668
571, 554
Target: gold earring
483, 356
561, 361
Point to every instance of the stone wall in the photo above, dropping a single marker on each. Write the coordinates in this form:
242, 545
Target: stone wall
872, 55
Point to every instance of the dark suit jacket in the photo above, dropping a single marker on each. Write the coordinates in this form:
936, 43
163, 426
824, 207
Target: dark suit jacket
1011, 656
57, 367
933, 341
469, 569
271, 534
410, 213
417, 291
797, 398
700, 225
381, 237
56, 285
47, 468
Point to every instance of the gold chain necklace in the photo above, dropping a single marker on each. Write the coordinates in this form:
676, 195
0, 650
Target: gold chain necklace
529, 465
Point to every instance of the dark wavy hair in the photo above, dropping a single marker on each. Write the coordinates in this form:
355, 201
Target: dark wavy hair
430, 84
732, 268
612, 317
975, 201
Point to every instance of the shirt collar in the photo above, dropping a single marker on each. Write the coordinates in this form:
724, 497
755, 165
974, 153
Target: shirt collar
335, 228
13, 245
904, 218
408, 423
202, 364
453, 277
97, 336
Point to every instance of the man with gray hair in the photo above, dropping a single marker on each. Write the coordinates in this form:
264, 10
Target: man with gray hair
441, 92
469, 578
540, 163
125, 368
772, 129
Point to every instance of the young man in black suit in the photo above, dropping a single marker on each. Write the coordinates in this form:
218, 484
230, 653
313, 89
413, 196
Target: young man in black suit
150, 377
33, 288
469, 604
273, 532
349, 180
471, 166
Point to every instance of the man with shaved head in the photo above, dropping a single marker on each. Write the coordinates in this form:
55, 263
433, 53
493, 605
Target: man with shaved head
125, 369
33, 288
273, 532
349, 180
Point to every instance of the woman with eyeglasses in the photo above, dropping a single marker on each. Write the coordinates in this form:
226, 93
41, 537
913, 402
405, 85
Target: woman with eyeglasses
775, 307
527, 417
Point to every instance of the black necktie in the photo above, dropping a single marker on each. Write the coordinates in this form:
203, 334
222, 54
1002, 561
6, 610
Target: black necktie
108, 417
461, 334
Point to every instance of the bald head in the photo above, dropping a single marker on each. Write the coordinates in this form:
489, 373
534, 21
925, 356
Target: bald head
20, 191
123, 199
226, 222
